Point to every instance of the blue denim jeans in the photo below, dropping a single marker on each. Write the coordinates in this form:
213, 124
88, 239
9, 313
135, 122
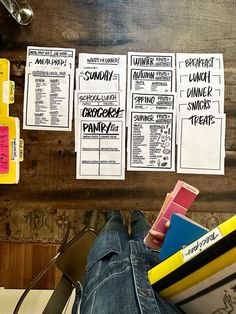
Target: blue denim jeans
116, 279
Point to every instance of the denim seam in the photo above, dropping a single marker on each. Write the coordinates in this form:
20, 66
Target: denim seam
103, 281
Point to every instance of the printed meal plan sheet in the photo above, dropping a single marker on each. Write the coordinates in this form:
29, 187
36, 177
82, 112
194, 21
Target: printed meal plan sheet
151, 111
101, 139
201, 118
101, 73
200, 83
202, 144
98, 105
151, 142
145, 101
101, 149
151, 72
49, 83
100, 117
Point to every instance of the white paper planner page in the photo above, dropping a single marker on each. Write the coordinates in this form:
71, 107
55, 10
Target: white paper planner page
49, 83
101, 73
101, 154
153, 101
98, 105
151, 141
151, 104
200, 113
61, 58
47, 102
100, 117
200, 83
201, 146
151, 72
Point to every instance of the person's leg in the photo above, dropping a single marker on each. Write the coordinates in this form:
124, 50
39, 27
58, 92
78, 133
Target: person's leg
114, 222
110, 242
139, 225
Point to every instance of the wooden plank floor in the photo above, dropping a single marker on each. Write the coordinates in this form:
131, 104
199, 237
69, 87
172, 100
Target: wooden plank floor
21, 263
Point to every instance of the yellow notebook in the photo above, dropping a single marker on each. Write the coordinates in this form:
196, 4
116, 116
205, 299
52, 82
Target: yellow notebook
202, 258
215, 294
10, 154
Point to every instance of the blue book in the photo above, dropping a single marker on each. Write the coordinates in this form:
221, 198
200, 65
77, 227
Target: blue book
182, 231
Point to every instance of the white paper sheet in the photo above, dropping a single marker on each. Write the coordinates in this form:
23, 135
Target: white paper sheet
151, 141
200, 92
101, 73
49, 84
96, 105
101, 153
100, 117
202, 144
151, 72
60, 58
47, 101
200, 83
153, 101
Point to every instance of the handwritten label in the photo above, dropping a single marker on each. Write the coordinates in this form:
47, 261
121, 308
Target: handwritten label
201, 244
162, 61
101, 73
102, 60
54, 57
15, 150
201, 62
152, 80
153, 101
52, 52
100, 127
99, 99
200, 82
4, 149
21, 150
101, 112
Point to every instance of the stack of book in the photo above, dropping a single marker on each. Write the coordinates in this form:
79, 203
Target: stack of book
201, 276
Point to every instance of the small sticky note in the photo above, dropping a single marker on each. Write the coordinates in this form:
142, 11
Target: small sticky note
4, 149
21, 148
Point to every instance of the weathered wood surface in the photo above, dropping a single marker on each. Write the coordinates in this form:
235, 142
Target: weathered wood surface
47, 177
